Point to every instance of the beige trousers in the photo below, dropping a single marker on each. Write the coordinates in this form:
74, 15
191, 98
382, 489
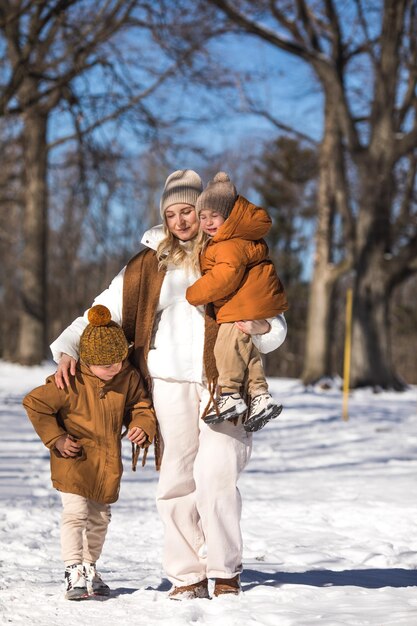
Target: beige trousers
83, 528
238, 360
197, 496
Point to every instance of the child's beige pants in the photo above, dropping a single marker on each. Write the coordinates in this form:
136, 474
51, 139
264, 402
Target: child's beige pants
237, 359
83, 528
197, 498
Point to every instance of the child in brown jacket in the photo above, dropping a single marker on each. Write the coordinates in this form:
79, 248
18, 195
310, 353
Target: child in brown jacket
82, 426
241, 282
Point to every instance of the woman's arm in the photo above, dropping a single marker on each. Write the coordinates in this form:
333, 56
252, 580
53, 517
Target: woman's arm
69, 340
266, 340
65, 349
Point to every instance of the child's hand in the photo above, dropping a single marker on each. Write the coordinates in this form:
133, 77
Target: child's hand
254, 327
67, 446
137, 435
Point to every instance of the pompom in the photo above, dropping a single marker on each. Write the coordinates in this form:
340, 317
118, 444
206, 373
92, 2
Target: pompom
99, 315
221, 177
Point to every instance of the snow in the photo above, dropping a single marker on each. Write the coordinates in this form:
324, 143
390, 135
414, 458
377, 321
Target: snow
329, 521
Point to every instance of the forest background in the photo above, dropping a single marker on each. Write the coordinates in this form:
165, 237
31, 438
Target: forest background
310, 106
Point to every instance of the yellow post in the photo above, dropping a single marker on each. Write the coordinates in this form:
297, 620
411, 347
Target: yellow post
346, 361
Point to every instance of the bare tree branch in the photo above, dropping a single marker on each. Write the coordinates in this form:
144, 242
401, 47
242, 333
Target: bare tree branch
119, 110
266, 34
406, 143
266, 114
290, 25
368, 43
304, 14
409, 97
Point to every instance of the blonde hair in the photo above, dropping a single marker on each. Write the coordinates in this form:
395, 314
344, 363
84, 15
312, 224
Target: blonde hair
200, 244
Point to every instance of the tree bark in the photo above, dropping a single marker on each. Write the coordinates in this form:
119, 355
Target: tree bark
371, 349
371, 343
319, 339
32, 340
317, 363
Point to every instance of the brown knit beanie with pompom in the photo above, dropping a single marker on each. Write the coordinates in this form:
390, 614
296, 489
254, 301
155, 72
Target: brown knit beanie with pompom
103, 342
219, 195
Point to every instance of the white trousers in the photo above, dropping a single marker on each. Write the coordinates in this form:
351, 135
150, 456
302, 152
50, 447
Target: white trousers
197, 496
83, 528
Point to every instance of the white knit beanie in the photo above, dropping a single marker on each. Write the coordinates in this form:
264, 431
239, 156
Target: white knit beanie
181, 187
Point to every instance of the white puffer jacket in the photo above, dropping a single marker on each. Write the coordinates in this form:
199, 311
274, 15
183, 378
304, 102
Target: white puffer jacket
176, 352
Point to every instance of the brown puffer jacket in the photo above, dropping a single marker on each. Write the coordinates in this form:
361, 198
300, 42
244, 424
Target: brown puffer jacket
93, 412
238, 277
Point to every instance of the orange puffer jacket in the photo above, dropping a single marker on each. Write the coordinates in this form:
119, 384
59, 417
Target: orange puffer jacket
93, 412
238, 277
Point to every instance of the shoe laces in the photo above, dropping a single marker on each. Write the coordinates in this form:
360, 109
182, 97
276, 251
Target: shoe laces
90, 572
223, 399
261, 398
73, 573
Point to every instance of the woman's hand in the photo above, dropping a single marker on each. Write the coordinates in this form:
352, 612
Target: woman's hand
137, 435
67, 446
66, 366
254, 327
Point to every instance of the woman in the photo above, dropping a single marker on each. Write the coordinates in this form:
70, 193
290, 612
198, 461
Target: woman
197, 496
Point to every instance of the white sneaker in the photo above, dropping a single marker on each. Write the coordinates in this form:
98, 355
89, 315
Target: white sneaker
262, 410
228, 406
95, 584
75, 583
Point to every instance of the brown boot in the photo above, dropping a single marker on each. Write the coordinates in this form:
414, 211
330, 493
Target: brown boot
227, 585
190, 592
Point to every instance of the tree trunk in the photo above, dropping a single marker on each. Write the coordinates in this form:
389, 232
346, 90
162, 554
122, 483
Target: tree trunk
318, 355
325, 274
371, 350
32, 336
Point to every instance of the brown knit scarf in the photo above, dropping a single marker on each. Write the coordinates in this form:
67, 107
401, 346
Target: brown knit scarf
141, 290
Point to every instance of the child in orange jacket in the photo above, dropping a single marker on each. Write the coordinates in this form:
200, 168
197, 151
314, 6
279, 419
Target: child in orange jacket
241, 282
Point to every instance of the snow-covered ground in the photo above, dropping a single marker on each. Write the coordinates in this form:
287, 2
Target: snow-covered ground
329, 521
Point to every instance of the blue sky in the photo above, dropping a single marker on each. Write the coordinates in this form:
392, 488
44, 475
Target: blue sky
284, 85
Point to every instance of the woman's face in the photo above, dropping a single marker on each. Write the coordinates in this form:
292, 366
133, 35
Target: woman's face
182, 221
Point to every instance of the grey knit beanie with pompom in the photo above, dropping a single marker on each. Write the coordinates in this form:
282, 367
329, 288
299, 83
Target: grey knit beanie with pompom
219, 195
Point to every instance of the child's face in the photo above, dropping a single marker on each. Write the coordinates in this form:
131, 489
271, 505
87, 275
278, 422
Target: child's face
210, 221
106, 372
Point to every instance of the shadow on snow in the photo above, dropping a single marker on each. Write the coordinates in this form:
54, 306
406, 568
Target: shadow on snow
366, 578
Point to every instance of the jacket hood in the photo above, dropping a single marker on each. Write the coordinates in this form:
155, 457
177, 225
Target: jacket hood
153, 237
246, 221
